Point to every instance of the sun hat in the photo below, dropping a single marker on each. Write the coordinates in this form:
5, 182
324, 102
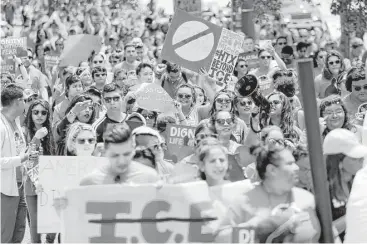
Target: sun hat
343, 141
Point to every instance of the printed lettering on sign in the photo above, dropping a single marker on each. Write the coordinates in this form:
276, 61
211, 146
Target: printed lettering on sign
225, 56
243, 235
120, 214
180, 141
55, 174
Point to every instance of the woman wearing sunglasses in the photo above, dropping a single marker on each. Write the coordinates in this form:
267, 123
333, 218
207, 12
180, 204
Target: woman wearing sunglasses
326, 82
185, 95
80, 140
150, 150
81, 109
243, 108
37, 130
223, 101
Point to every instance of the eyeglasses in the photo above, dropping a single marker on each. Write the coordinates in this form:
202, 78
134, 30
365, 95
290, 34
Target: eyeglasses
358, 88
266, 57
336, 62
337, 112
148, 116
282, 43
186, 96
36, 112
246, 103
200, 137
333, 102
98, 62
229, 121
109, 99
30, 99
84, 141
223, 101
242, 66
100, 74
275, 102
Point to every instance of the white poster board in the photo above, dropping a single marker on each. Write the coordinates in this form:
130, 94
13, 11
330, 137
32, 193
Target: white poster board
138, 214
55, 174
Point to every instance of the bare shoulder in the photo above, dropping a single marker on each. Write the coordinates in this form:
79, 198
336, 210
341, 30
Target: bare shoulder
304, 198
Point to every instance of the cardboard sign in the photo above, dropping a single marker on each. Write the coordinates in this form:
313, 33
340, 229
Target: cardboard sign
191, 41
228, 192
55, 174
51, 61
180, 141
78, 48
12, 46
190, 6
138, 214
225, 57
266, 85
153, 97
251, 58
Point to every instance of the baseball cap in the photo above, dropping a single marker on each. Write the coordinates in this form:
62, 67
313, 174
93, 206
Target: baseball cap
145, 130
343, 141
29, 92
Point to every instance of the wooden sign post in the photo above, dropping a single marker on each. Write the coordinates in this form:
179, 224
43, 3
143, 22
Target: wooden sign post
318, 166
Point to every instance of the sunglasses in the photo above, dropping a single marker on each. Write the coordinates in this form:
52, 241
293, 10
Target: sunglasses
356, 46
223, 101
84, 141
100, 75
358, 88
229, 121
275, 102
98, 62
148, 116
30, 99
336, 62
200, 137
266, 57
246, 103
282, 142
158, 147
282, 43
36, 112
109, 99
186, 96
242, 66
30, 57
333, 102
115, 61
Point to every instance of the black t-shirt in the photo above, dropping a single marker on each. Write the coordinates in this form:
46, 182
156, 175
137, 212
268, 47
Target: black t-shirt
101, 124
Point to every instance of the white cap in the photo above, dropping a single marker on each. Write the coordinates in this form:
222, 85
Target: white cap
343, 141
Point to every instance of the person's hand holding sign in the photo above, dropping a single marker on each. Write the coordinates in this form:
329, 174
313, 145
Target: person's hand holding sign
179, 112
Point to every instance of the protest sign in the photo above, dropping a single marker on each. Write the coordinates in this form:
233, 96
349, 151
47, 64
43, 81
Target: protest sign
191, 41
180, 141
190, 6
12, 46
79, 48
55, 174
228, 192
266, 85
51, 61
226, 54
138, 214
152, 97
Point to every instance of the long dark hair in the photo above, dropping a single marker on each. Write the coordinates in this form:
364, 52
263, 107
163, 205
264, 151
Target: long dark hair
81, 98
47, 142
334, 177
326, 73
231, 96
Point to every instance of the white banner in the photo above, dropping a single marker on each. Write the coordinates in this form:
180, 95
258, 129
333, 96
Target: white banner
55, 174
178, 213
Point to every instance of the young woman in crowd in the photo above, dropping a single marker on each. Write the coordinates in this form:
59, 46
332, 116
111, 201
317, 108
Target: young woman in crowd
333, 114
80, 140
224, 101
38, 131
85, 76
276, 191
201, 98
325, 83
186, 96
149, 150
344, 157
241, 68
319, 62
81, 109
213, 163
244, 107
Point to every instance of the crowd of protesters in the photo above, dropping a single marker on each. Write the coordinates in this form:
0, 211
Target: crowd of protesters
86, 110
